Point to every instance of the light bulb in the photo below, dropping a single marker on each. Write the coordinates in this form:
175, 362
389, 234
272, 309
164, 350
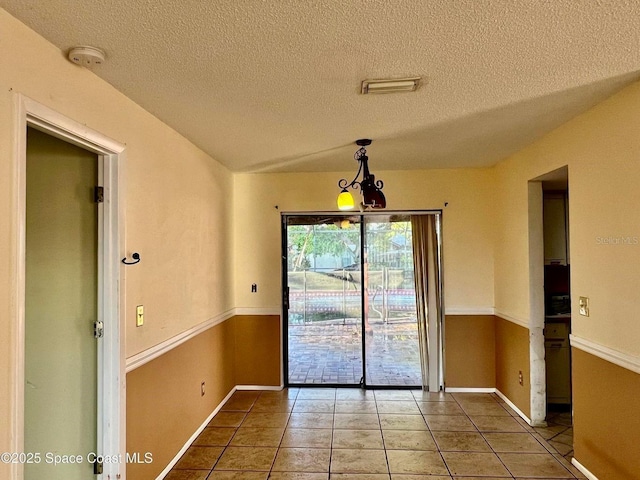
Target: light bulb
345, 201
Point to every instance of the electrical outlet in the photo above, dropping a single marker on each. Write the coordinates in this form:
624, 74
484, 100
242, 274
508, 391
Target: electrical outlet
202, 389
139, 315
520, 378
583, 303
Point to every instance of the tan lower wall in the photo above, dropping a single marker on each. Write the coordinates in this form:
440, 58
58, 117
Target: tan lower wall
470, 354
512, 356
164, 405
606, 417
257, 350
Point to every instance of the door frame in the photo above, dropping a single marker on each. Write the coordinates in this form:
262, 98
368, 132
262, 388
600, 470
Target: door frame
537, 368
439, 374
538, 375
111, 349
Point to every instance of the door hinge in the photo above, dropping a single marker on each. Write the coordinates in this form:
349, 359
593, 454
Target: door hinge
97, 467
98, 329
98, 194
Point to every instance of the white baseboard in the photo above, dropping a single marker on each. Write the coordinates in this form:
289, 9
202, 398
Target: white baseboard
513, 406
188, 443
260, 387
583, 469
186, 446
490, 390
469, 390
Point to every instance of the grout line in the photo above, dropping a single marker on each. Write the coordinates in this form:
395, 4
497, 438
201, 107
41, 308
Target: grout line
384, 445
273, 462
436, 443
484, 438
333, 424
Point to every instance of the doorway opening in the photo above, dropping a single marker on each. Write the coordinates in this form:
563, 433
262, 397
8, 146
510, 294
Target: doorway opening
104, 369
61, 352
555, 303
351, 316
557, 294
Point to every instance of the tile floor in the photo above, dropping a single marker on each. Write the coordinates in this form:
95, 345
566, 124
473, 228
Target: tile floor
324, 433
559, 433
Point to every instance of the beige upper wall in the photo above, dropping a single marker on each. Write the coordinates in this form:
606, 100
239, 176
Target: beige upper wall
176, 200
467, 221
602, 150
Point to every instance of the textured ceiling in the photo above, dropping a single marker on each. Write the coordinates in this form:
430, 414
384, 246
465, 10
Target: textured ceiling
274, 85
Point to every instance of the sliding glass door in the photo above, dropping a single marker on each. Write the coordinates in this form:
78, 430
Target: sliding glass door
392, 356
324, 284
350, 301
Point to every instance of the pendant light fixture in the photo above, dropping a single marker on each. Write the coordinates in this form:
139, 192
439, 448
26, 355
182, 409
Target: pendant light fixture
370, 189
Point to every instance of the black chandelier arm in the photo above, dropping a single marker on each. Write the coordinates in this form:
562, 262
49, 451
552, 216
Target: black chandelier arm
379, 184
342, 183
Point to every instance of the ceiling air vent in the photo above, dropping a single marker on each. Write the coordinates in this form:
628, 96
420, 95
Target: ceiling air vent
390, 85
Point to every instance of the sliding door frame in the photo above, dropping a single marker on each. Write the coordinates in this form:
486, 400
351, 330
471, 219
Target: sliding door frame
284, 216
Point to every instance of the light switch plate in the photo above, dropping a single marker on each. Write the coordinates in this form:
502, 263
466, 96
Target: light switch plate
139, 315
583, 303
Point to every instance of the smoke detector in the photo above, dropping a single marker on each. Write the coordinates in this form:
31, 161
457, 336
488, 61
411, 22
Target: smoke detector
86, 56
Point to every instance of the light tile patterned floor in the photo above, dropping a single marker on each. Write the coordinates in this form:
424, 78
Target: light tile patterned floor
559, 432
327, 433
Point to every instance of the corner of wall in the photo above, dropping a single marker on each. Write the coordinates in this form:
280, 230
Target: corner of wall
470, 351
512, 363
257, 350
